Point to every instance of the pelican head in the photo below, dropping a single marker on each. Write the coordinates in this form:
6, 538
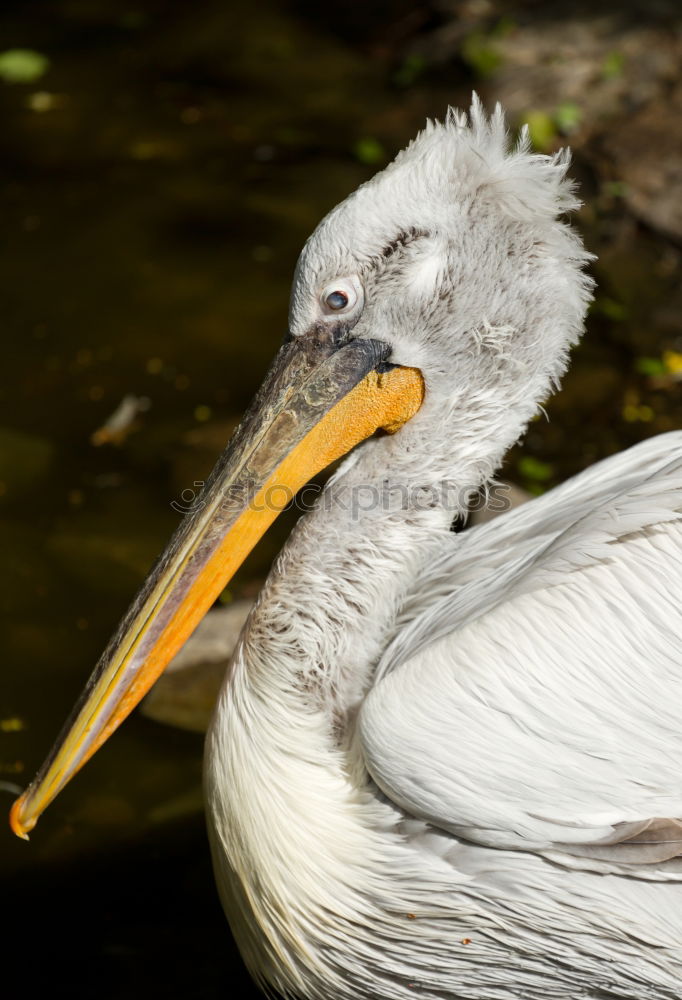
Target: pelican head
454, 257
436, 303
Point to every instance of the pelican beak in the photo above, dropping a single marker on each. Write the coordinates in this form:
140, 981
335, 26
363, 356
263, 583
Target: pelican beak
317, 402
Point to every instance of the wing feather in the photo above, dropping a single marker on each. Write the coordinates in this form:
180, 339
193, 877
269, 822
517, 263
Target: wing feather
482, 565
544, 714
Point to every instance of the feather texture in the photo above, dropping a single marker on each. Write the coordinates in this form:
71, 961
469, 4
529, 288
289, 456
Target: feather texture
549, 721
513, 690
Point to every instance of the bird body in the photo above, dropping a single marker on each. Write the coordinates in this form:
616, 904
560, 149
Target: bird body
487, 701
441, 764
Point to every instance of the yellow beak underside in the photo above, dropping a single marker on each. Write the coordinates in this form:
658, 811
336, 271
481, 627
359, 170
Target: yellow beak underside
187, 580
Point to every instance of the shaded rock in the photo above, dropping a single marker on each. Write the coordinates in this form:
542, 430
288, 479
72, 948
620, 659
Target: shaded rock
601, 64
651, 180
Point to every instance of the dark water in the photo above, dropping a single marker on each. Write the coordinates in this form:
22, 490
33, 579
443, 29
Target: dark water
158, 181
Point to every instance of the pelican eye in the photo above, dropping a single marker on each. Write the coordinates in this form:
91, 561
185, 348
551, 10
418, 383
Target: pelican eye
337, 300
343, 295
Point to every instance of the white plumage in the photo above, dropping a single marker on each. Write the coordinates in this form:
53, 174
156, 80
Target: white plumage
451, 765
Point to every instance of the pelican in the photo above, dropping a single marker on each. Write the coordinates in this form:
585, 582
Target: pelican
442, 764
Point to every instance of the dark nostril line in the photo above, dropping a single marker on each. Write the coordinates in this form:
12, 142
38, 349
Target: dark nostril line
385, 366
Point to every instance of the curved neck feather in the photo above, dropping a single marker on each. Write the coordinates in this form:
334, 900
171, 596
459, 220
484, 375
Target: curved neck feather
289, 810
324, 613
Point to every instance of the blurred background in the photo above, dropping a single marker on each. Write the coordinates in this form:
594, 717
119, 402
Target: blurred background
162, 164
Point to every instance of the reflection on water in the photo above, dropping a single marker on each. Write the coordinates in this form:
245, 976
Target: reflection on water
159, 177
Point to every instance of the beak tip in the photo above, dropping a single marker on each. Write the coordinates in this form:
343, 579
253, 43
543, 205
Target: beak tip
20, 826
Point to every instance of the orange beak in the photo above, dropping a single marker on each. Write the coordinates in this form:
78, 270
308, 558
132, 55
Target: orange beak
317, 402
